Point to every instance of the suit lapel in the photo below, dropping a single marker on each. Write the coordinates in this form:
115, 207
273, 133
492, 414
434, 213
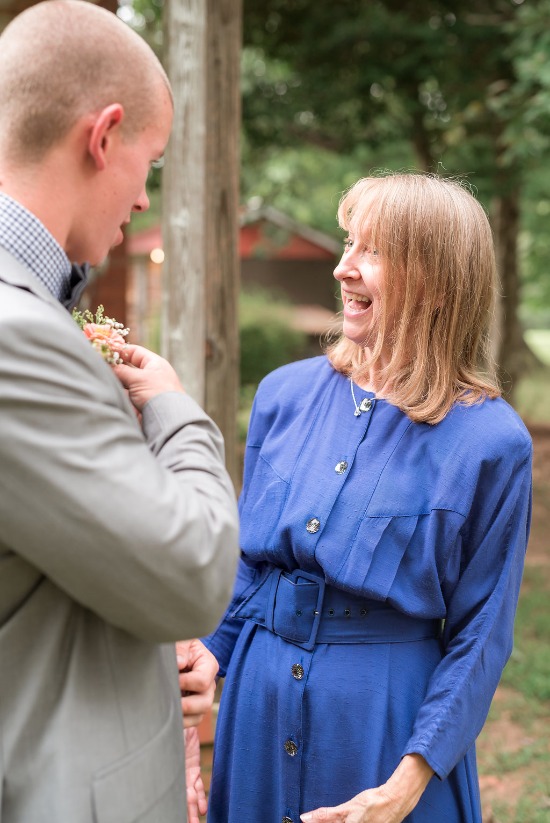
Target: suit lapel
15, 274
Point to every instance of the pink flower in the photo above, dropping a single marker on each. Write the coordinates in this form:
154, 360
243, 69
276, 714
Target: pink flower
105, 335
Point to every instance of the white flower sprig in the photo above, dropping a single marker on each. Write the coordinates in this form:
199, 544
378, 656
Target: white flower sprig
105, 334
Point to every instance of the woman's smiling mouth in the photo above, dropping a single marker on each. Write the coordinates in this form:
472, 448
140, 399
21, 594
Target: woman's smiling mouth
355, 303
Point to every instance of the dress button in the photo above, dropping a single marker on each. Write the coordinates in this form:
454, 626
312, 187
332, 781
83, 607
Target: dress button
290, 747
365, 404
287, 820
340, 467
297, 671
312, 525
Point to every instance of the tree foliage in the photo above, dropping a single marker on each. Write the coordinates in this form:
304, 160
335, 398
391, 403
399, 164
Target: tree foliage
440, 74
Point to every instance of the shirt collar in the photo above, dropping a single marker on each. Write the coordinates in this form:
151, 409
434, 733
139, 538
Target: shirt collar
28, 240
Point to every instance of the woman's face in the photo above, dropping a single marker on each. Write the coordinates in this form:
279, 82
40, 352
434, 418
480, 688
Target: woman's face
362, 280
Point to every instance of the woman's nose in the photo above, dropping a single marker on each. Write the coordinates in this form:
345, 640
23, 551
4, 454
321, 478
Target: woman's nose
345, 269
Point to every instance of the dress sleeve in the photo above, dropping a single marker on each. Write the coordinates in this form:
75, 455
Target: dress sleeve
221, 642
481, 606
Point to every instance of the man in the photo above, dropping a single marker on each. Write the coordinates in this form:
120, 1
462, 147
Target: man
115, 540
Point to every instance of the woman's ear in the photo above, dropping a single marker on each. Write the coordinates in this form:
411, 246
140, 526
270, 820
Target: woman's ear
106, 124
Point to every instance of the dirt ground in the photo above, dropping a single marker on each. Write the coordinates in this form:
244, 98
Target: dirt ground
504, 734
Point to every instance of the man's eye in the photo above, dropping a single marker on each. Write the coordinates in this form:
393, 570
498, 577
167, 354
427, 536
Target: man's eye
154, 166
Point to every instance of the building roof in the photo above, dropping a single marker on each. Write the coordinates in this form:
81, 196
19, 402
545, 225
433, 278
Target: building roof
265, 233
293, 227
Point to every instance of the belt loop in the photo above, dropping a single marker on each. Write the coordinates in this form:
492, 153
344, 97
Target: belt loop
299, 574
270, 606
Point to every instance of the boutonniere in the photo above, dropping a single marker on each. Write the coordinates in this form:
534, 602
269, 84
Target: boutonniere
105, 334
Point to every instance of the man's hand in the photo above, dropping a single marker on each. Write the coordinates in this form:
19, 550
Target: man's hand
145, 375
198, 669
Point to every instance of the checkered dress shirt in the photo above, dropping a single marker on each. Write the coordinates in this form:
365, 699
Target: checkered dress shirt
27, 239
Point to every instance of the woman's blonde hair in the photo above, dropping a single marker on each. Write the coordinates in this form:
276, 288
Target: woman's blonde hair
436, 246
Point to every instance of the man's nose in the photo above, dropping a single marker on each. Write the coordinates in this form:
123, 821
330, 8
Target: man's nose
142, 203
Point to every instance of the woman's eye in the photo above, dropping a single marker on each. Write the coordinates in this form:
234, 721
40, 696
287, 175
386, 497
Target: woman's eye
364, 251
369, 251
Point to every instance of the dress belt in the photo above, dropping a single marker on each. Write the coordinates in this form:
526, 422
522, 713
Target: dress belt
305, 610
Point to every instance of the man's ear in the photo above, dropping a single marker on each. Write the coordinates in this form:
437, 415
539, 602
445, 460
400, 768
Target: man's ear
105, 126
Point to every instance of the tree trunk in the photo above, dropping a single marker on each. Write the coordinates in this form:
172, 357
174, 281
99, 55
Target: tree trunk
200, 207
511, 352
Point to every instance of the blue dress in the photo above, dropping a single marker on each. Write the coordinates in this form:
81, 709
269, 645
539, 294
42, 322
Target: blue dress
425, 524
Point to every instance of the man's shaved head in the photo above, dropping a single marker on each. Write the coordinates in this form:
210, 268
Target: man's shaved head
62, 59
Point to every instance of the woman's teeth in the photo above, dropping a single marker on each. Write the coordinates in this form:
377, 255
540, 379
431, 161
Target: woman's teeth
358, 299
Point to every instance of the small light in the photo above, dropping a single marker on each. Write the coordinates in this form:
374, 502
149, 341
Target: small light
157, 256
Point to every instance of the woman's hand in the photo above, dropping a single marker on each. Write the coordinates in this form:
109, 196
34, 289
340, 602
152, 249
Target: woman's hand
197, 678
373, 805
196, 795
389, 803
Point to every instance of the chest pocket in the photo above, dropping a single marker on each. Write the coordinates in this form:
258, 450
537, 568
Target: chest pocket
262, 506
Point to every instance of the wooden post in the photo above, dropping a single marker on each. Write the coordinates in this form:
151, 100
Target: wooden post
183, 200
222, 220
200, 206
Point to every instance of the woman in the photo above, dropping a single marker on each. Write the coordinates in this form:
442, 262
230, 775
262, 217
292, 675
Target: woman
384, 520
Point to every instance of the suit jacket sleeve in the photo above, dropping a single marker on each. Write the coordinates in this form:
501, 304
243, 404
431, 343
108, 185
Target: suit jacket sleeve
140, 527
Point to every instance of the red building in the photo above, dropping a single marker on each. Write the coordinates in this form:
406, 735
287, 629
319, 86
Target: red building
277, 254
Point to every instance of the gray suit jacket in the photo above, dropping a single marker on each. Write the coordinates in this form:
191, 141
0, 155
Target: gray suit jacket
113, 543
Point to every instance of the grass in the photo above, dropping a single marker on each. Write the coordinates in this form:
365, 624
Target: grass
528, 670
514, 746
